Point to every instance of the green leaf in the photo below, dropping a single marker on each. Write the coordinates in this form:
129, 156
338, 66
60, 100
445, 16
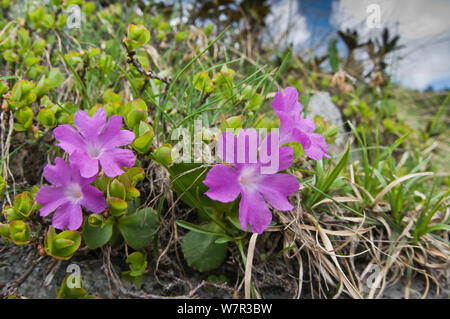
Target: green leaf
138, 263
144, 140
24, 204
209, 28
324, 183
201, 250
24, 117
187, 181
255, 102
95, 220
54, 78
135, 174
133, 117
118, 206
47, 118
63, 245
136, 36
11, 214
231, 122
202, 82
163, 154
19, 232
117, 189
200, 229
4, 230
445, 227
10, 56
138, 267
138, 228
333, 55
96, 237
66, 292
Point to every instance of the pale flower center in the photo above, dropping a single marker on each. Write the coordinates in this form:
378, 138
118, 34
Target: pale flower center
73, 193
249, 178
94, 150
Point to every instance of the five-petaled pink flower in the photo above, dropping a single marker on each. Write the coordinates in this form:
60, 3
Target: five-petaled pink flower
69, 193
294, 128
227, 181
97, 141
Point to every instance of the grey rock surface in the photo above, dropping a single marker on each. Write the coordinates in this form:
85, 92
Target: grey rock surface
14, 262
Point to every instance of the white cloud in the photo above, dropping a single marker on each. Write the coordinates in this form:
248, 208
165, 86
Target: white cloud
286, 25
423, 27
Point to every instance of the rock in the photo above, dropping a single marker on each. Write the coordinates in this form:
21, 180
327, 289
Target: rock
321, 104
14, 263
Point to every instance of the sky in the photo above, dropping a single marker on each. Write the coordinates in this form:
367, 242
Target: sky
423, 26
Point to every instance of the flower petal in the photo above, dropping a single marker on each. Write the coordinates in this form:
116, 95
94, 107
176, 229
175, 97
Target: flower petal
301, 137
223, 183
253, 210
93, 199
113, 159
286, 158
113, 136
318, 147
68, 215
283, 160
88, 166
69, 139
51, 197
88, 126
288, 122
287, 102
307, 125
275, 189
58, 174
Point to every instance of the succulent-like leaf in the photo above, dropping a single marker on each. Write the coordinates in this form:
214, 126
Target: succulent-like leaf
19, 232
63, 245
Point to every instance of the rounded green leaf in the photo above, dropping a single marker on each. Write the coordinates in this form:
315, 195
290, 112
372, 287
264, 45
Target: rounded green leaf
255, 102
118, 206
4, 230
117, 189
201, 250
47, 118
23, 204
163, 154
202, 82
19, 232
143, 143
96, 237
138, 228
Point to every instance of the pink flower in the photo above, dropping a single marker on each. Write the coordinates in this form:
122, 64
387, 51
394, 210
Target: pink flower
69, 193
294, 128
96, 142
226, 182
